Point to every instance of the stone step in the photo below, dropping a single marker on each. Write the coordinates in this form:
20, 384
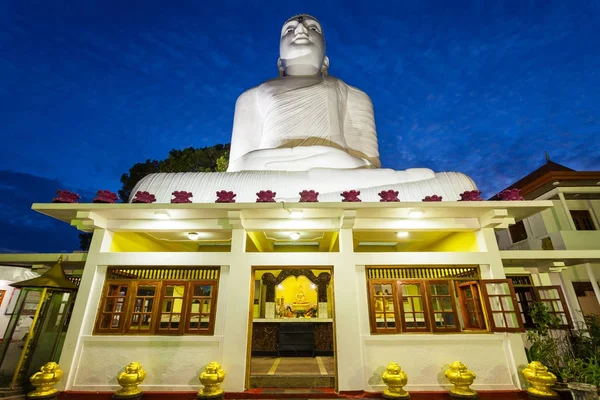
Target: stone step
292, 381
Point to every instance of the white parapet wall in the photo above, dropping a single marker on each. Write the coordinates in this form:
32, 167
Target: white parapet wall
425, 358
172, 363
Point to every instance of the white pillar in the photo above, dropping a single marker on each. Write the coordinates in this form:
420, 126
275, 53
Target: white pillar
486, 241
237, 303
570, 295
347, 332
588, 269
86, 305
563, 201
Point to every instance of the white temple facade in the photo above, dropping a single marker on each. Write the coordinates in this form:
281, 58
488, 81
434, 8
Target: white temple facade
451, 244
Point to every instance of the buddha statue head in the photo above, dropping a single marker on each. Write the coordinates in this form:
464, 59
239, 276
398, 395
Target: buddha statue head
302, 47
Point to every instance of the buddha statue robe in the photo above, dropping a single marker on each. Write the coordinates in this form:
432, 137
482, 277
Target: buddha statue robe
314, 116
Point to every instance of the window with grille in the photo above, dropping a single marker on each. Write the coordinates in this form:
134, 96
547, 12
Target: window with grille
439, 299
527, 294
554, 300
583, 220
158, 301
517, 232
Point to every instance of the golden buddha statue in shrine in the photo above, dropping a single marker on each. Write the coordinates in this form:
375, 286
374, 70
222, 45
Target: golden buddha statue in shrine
301, 304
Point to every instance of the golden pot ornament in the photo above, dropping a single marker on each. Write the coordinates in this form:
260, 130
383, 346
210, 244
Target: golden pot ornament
44, 380
540, 380
211, 379
130, 379
395, 379
461, 377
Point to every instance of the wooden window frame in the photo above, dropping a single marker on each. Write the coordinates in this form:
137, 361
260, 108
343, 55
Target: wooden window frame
131, 311
516, 311
402, 312
104, 301
211, 313
159, 298
373, 312
477, 300
452, 296
561, 298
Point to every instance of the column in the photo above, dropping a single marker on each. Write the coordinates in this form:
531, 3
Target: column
237, 303
86, 305
486, 240
563, 201
348, 340
588, 269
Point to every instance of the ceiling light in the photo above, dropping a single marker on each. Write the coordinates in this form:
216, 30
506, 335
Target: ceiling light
556, 183
280, 286
415, 214
402, 234
193, 235
313, 286
296, 214
161, 215
295, 235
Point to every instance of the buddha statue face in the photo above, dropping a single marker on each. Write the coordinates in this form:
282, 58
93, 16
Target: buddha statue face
302, 46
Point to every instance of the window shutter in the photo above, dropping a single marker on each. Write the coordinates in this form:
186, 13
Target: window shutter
502, 306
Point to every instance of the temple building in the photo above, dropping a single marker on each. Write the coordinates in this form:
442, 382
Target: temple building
554, 256
307, 265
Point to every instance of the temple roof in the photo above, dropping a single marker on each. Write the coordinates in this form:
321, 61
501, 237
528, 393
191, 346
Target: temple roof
549, 176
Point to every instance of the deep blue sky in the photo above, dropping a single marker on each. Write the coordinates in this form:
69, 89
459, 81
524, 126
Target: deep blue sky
89, 88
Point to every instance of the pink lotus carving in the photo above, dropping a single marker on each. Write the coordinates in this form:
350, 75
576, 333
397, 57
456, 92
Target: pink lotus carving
266, 196
181, 197
144, 197
351, 196
471, 195
64, 196
389, 196
105, 196
223, 196
309, 196
511, 195
434, 197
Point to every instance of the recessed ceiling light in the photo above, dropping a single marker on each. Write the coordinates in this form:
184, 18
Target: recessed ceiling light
296, 213
295, 235
313, 286
556, 183
402, 234
280, 286
161, 215
415, 214
193, 235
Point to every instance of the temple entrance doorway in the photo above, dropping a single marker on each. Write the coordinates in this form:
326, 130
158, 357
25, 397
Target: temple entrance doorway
292, 329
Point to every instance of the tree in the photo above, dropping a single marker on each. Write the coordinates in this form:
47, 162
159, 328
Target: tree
206, 159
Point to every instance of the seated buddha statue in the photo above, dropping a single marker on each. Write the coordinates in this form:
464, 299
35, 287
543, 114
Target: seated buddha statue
301, 304
306, 130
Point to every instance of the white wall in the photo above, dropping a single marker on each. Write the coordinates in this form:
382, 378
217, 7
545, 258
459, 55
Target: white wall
4, 285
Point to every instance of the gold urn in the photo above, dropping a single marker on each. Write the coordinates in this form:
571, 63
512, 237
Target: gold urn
540, 380
129, 379
211, 379
44, 380
395, 379
461, 377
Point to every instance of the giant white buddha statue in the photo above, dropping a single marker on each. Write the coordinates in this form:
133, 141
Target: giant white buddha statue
305, 130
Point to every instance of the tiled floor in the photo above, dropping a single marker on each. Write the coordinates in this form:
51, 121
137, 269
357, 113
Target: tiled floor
297, 366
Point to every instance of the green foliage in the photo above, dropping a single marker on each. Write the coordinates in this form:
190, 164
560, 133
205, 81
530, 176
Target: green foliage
206, 159
572, 357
